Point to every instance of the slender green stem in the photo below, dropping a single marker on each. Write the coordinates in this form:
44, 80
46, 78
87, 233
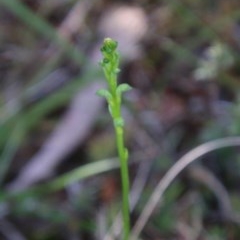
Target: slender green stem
125, 181
113, 96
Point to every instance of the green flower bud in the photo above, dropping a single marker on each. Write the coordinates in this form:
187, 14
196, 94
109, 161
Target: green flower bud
106, 60
109, 45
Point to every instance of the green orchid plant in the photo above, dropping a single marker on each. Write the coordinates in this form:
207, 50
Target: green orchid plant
113, 95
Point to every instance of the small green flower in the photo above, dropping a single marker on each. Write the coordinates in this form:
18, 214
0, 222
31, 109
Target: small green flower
110, 62
109, 46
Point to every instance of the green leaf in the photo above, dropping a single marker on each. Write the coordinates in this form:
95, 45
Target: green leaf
104, 93
124, 87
